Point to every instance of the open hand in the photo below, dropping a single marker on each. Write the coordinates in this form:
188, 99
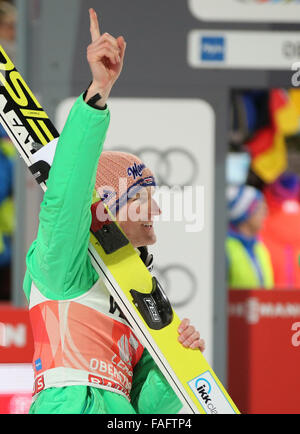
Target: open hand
189, 337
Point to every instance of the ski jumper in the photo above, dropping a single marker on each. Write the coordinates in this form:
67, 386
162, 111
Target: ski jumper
87, 358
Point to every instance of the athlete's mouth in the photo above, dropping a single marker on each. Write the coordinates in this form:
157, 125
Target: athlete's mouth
147, 225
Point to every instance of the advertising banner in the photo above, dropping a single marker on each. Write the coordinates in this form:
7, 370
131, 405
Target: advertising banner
264, 350
15, 403
276, 11
16, 341
16, 385
234, 49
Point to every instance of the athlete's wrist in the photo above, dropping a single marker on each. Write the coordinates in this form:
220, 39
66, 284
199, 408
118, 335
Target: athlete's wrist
96, 96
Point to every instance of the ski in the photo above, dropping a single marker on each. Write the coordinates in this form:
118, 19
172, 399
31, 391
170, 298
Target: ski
138, 295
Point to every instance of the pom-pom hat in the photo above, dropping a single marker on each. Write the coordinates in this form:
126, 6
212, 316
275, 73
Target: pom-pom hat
242, 202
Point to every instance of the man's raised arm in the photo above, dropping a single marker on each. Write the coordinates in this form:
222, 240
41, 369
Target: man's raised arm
57, 261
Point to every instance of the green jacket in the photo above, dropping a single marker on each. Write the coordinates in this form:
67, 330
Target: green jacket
58, 261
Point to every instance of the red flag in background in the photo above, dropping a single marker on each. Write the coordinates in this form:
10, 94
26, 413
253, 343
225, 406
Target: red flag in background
268, 147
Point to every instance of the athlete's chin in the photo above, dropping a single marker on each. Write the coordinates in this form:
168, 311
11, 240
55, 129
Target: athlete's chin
146, 241
151, 241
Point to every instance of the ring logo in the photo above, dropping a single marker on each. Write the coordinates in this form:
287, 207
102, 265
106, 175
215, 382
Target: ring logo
212, 48
210, 395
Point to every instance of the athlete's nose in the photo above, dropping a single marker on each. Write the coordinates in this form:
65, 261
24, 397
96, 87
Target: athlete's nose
154, 208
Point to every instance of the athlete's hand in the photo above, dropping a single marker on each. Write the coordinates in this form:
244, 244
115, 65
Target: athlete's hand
105, 56
189, 337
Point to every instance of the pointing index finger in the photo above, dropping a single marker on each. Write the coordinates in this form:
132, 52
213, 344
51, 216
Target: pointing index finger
94, 25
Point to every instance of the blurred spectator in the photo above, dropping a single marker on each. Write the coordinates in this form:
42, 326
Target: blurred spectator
8, 16
7, 153
248, 261
281, 230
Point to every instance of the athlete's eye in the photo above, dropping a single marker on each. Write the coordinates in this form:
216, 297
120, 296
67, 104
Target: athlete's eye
134, 199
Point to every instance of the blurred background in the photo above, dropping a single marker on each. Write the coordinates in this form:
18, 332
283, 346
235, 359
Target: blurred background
210, 99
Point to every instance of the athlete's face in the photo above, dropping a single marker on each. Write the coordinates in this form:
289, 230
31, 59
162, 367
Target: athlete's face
137, 218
